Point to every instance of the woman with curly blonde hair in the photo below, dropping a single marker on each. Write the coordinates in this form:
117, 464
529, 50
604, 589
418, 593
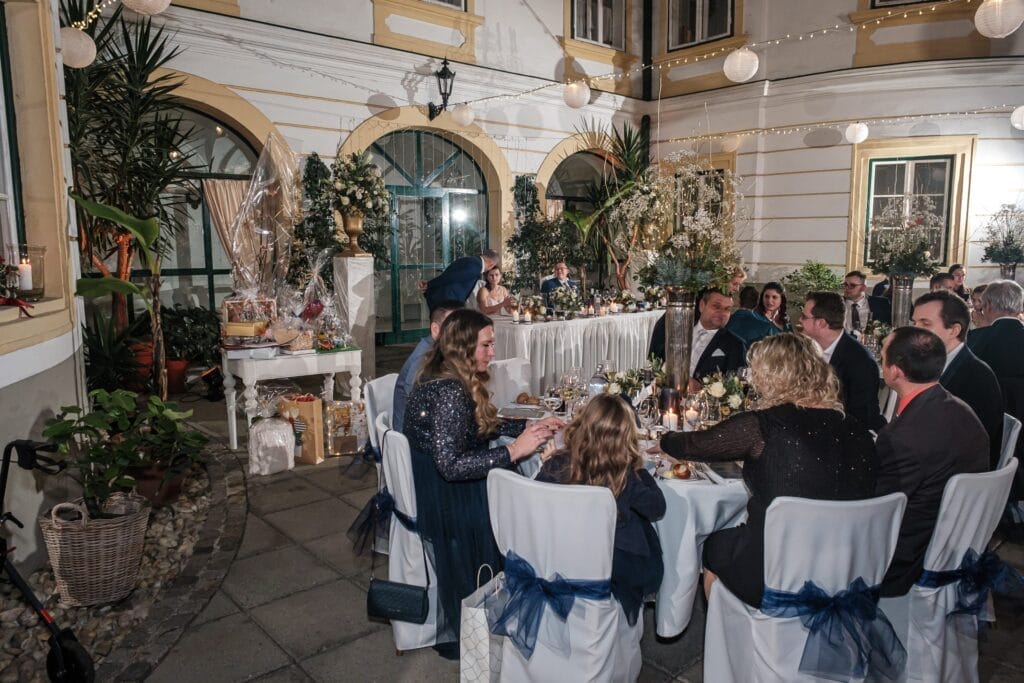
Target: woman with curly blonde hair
449, 421
796, 442
601, 449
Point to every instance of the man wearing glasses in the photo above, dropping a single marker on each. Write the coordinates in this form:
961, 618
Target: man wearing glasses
860, 308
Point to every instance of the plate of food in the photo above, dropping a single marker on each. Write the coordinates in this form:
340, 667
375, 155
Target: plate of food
682, 470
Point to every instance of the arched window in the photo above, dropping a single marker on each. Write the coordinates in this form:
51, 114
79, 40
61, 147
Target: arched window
196, 271
569, 187
438, 214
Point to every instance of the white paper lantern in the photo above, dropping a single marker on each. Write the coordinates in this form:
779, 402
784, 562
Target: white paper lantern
999, 18
730, 144
1017, 118
856, 133
576, 95
77, 47
741, 65
462, 114
148, 7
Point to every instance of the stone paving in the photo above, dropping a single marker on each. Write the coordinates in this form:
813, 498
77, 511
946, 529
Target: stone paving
292, 605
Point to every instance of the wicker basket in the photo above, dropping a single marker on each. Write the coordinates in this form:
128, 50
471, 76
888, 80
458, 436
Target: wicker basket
96, 561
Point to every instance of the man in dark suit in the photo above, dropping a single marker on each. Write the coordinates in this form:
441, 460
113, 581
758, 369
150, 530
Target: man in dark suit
966, 377
561, 279
746, 323
860, 308
459, 279
933, 437
822, 321
714, 349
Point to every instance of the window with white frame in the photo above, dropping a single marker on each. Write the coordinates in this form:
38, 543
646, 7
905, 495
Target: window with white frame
454, 4
913, 191
600, 21
9, 233
691, 22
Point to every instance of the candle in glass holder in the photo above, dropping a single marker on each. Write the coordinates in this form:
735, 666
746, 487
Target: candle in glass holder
603, 310
692, 418
527, 317
515, 315
670, 421
590, 310
24, 275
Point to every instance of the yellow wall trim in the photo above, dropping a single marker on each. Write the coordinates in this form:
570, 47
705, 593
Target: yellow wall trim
960, 147
226, 7
574, 49
465, 22
869, 54
472, 139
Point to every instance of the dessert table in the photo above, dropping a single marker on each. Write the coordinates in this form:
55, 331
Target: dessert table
252, 370
556, 347
693, 510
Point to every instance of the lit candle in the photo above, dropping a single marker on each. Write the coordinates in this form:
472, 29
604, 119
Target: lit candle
24, 275
515, 316
670, 421
527, 317
603, 310
692, 418
615, 307
590, 310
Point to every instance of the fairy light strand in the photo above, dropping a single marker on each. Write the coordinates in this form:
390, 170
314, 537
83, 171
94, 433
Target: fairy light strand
93, 14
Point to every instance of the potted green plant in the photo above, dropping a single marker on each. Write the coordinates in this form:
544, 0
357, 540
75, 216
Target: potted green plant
95, 542
167, 450
812, 276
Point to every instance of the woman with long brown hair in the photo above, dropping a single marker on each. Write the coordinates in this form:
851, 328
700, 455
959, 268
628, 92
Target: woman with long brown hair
449, 421
797, 442
772, 305
601, 449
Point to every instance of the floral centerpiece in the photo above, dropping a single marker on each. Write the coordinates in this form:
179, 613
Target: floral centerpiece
625, 297
358, 192
900, 246
725, 391
874, 333
533, 303
627, 383
566, 299
652, 294
1005, 236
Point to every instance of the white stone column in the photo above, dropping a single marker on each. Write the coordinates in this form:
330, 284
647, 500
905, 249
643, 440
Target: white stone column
353, 290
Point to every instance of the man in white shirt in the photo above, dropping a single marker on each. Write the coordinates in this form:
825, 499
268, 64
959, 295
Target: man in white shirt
861, 308
964, 375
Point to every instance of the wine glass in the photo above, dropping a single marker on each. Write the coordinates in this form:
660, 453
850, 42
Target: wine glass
648, 413
552, 403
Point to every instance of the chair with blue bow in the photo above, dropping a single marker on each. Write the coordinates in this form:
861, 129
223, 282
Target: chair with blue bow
1011, 432
561, 622
938, 619
823, 561
379, 395
406, 557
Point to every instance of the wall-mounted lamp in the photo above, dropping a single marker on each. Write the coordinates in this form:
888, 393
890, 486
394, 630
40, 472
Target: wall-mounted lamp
445, 80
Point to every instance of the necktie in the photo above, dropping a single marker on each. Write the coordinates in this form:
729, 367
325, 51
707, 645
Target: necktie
698, 348
855, 316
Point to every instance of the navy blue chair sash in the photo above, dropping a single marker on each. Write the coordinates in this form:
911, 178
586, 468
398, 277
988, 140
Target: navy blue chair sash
384, 504
976, 578
516, 610
849, 636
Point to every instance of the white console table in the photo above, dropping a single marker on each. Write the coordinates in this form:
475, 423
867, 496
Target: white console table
251, 370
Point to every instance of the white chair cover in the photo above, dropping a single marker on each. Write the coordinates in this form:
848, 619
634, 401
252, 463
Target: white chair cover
380, 398
406, 559
569, 530
1011, 432
936, 649
828, 542
508, 378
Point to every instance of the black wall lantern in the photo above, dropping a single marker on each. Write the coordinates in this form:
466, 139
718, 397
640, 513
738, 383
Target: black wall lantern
445, 80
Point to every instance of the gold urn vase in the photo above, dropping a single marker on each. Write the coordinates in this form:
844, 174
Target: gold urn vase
353, 225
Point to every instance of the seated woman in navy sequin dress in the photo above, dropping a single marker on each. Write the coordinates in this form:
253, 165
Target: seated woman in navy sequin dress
798, 442
449, 421
601, 449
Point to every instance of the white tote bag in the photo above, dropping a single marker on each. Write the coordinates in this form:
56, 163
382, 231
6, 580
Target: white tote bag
480, 651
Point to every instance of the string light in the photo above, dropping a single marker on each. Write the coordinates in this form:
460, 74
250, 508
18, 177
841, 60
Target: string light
805, 128
93, 14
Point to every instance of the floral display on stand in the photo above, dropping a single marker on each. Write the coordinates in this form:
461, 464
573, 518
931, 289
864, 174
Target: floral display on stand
901, 247
358, 193
1005, 236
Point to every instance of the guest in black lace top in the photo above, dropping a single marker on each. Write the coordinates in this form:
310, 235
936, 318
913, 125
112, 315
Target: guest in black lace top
797, 442
449, 421
601, 449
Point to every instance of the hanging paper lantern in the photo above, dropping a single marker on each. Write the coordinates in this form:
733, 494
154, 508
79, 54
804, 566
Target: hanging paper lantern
77, 47
462, 114
741, 65
856, 133
576, 95
147, 7
1017, 118
731, 144
999, 18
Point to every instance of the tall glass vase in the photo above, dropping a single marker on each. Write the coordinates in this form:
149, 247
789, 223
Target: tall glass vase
1008, 271
902, 299
679, 338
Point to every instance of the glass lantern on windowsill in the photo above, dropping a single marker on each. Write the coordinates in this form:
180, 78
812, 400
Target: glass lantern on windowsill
29, 278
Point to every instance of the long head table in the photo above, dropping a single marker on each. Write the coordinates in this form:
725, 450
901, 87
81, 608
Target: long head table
556, 347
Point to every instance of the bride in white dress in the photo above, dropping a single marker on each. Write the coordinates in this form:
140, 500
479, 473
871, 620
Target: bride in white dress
492, 298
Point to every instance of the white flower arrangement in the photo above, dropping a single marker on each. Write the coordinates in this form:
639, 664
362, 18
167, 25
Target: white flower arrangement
358, 187
566, 299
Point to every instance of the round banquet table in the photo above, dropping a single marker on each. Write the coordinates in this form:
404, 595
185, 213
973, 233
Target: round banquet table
693, 510
556, 347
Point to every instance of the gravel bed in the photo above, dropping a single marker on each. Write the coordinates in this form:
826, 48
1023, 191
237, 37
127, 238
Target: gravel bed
170, 541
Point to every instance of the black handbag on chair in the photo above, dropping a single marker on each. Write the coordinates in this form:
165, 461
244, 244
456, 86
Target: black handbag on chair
398, 601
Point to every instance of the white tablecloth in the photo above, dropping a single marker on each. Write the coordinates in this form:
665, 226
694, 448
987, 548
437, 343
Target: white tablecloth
694, 509
556, 347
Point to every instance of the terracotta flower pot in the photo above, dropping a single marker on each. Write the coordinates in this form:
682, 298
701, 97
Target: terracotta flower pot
153, 484
144, 360
177, 368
